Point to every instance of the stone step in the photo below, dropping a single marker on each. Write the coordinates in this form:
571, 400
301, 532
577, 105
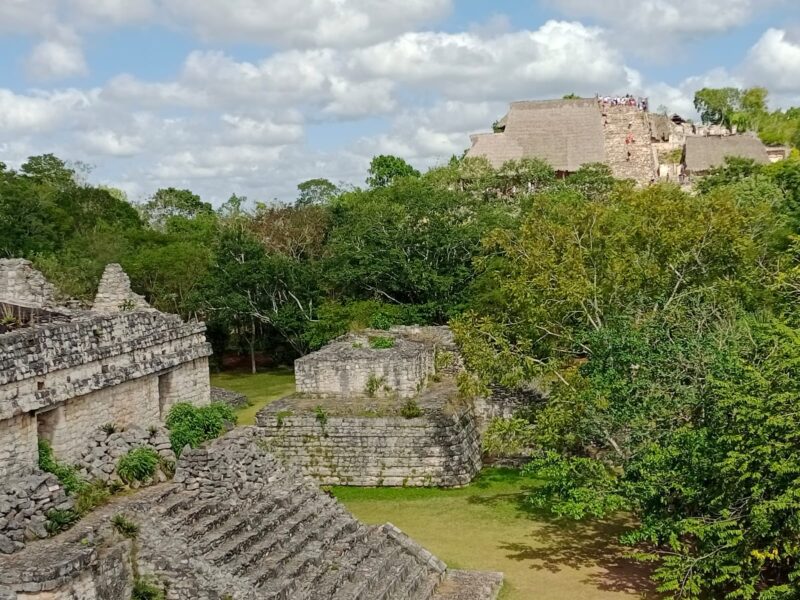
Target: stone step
267, 555
343, 559
274, 508
256, 529
399, 580
345, 534
283, 578
177, 503
366, 577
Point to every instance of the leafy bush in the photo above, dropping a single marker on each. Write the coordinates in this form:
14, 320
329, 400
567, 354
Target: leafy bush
321, 416
508, 437
411, 409
67, 475
379, 342
139, 464
191, 425
374, 383
125, 526
92, 495
60, 520
146, 589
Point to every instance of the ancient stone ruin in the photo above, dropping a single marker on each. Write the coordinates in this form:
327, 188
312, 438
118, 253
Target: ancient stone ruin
623, 134
378, 408
235, 522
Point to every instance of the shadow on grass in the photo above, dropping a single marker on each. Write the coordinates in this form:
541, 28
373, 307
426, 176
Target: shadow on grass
563, 543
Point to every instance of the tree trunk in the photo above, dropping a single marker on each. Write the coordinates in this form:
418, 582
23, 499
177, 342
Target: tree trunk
253, 346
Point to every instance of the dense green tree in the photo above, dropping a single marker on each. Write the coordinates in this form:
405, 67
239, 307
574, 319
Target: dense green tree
316, 191
384, 169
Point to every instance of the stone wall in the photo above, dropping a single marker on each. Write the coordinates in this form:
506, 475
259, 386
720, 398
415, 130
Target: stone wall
346, 366
21, 284
236, 524
114, 292
435, 449
72, 378
18, 447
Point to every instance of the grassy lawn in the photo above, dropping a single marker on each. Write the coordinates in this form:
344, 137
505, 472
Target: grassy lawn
261, 389
486, 527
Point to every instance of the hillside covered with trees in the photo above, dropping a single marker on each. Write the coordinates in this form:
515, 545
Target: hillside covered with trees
661, 328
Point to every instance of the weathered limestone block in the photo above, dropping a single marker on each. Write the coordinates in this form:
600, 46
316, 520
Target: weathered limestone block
114, 293
23, 285
350, 367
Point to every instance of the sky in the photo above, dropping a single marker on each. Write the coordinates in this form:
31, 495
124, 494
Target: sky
252, 97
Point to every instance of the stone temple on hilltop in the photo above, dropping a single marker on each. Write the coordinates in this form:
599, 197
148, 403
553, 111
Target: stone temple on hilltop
237, 521
635, 143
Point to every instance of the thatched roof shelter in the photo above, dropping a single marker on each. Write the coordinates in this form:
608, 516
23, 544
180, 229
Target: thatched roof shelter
565, 133
706, 152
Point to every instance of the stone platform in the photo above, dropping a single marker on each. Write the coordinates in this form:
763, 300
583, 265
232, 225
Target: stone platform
235, 524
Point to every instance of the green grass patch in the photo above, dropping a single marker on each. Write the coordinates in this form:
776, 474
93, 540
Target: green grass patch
260, 389
488, 526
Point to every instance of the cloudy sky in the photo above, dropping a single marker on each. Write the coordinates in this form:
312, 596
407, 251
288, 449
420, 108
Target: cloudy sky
254, 96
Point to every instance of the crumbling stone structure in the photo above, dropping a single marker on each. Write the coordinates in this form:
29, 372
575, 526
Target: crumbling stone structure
369, 416
68, 372
237, 524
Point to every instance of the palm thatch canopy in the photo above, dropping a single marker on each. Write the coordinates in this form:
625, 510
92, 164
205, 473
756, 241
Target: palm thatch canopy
704, 153
564, 133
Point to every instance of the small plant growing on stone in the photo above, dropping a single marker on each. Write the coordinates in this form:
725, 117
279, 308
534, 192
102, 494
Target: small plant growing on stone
374, 383
67, 475
321, 416
127, 305
380, 342
358, 345
442, 360
139, 464
146, 589
90, 496
108, 428
60, 520
191, 425
152, 430
124, 526
281, 416
167, 466
411, 409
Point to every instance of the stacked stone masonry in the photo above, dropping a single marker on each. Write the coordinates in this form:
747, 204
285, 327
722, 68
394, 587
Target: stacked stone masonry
63, 379
235, 524
435, 449
341, 431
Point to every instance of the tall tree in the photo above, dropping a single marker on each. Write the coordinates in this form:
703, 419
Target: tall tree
384, 169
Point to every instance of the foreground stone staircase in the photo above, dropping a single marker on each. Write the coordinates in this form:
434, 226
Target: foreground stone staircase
634, 159
237, 525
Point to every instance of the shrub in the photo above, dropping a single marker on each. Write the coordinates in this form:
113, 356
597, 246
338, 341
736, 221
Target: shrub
109, 428
374, 383
60, 520
321, 415
125, 526
191, 425
380, 342
67, 475
139, 464
146, 589
411, 409
281, 416
90, 496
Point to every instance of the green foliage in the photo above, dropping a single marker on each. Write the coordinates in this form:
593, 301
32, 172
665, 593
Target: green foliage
385, 169
281, 416
139, 464
321, 415
60, 520
124, 526
377, 342
411, 409
67, 475
374, 383
508, 437
316, 191
145, 588
92, 495
191, 425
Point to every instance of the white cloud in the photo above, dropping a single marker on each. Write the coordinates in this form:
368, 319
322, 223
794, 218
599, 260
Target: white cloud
635, 18
57, 58
19, 16
41, 112
113, 11
335, 23
558, 58
774, 62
